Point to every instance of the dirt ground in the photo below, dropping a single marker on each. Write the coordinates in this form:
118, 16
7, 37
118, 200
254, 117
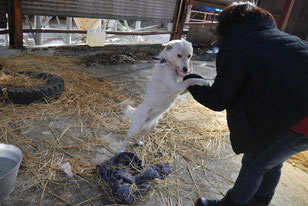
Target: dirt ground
216, 175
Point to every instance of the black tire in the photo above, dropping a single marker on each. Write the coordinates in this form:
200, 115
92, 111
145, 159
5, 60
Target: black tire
53, 88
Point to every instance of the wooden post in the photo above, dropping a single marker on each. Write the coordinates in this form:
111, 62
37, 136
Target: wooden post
180, 21
15, 23
285, 14
188, 14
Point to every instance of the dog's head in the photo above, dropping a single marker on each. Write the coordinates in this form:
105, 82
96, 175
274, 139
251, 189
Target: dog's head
178, 53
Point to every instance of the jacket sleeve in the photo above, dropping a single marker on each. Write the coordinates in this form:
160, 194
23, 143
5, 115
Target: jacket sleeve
227, 85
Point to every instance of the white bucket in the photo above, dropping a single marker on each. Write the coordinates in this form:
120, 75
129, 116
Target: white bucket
96, 37
10, 159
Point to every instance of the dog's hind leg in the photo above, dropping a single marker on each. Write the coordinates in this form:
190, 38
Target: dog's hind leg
145, 131
137, 122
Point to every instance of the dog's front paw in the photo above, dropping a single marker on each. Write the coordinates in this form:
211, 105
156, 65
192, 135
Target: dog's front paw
139, 143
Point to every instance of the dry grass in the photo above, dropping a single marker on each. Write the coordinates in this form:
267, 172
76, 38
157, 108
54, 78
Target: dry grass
83, 126
300, 160
69, 126
20, 80
78, 128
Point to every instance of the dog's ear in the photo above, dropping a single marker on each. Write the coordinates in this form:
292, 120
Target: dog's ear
168, 45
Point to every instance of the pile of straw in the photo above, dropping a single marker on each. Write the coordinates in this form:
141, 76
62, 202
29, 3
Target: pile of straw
300, 161
20, 80
78, 128
84, 127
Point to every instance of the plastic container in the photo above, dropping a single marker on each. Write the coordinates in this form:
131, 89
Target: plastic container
10, 159
96, 37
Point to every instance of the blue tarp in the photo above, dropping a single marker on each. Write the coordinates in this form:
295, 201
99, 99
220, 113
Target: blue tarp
203, 8
126, 169
213, 50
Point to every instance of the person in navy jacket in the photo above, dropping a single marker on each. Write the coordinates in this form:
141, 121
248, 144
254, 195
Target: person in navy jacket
262, 83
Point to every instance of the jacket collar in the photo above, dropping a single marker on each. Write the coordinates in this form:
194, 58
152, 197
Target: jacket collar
252, 25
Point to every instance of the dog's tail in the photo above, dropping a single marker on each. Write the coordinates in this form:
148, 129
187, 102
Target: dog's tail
127, 109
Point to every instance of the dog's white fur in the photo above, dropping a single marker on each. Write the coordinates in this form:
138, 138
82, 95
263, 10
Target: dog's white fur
165, 85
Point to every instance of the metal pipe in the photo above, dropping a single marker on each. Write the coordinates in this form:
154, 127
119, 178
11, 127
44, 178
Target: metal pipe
59, 27
6, 36
137, 27
30, 26
6, 39
90, 27
46, 21
84, 32
68, 37
38, 25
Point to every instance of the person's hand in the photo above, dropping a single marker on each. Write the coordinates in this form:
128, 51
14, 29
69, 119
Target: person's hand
188, 76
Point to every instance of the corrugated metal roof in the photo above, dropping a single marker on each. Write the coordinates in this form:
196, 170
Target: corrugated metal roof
159, 10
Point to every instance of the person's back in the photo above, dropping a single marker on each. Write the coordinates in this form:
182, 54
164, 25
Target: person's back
275, 63
262, 82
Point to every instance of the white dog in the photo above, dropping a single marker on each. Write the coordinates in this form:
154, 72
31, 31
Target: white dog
165, 85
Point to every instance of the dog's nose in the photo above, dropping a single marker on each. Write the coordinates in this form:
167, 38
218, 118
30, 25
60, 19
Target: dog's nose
185, 69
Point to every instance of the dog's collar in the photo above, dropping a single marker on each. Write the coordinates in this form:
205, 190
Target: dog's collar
163, 62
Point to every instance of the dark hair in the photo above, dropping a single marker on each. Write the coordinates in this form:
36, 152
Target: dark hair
238, 13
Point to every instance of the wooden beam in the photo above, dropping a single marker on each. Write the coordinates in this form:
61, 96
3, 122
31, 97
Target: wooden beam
181, 20
11, 22
285, 14
176, 18
17, 15
6, 31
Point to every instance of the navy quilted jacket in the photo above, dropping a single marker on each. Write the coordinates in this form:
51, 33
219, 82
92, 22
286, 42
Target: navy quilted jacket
262, 82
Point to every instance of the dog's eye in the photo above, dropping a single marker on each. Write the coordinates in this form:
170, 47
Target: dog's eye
179, 55
189, 56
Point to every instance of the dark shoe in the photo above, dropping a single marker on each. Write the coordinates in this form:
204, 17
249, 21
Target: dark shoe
206, 202
259, 201
225, 201
202, 201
